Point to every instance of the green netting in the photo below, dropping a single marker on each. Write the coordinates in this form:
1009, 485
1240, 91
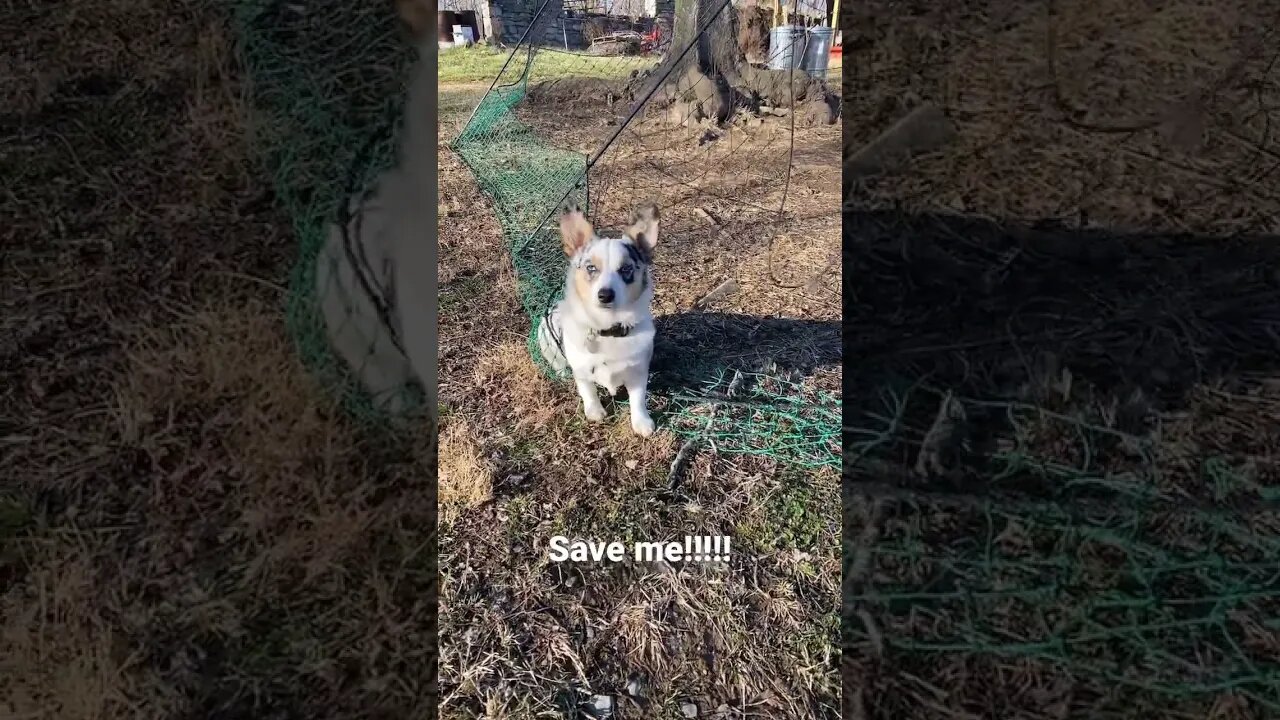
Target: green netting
327, 82
735, 410
1028, 502
1113, 579
527, 179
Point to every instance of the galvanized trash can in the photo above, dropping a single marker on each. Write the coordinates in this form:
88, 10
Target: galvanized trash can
817, 54
786, 47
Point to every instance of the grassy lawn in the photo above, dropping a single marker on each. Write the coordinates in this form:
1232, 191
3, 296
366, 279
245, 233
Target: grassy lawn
475, 64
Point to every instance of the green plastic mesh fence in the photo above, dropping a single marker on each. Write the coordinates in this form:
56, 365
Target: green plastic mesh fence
1021, 499
327, 80
1124, 585
605, 152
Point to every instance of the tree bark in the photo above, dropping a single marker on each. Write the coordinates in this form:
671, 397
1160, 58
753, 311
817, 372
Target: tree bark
713, 80
693, 86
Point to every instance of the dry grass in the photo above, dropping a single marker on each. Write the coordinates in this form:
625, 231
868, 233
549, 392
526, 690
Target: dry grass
1145, 116
192, 529
1112, 448
719, 192
1145, 121
246, 498
464, 476
524, 637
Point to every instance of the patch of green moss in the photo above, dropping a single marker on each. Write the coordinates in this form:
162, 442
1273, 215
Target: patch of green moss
796, 516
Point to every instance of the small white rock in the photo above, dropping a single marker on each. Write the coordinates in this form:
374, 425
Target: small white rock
603, 705
689, 709
633, 687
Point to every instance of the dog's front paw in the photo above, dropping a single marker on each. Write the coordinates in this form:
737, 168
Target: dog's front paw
595, 413
642, 425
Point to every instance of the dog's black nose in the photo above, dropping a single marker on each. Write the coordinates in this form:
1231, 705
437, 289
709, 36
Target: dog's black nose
605, 295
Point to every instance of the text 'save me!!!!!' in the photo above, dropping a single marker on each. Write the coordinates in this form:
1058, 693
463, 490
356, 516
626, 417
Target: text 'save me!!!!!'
695, 548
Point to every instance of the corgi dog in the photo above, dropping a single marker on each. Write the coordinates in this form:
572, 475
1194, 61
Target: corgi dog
376, 278
602, 329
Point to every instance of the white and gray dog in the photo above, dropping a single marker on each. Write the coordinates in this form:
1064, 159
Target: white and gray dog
602, 330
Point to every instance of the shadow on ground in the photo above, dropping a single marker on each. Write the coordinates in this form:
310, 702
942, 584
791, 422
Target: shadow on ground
937, 303
1061, 469
691, 344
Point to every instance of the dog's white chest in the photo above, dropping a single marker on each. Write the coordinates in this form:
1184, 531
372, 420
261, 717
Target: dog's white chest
611, 374
610, 362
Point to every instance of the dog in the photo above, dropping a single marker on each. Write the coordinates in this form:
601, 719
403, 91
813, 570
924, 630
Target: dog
376, 279
602, 329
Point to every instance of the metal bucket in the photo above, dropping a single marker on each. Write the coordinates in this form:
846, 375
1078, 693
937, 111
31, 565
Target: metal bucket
818, 53
786, 47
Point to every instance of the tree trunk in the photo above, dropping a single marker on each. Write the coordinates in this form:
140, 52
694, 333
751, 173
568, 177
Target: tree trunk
713, 79
693, 83
684, 23
718, 56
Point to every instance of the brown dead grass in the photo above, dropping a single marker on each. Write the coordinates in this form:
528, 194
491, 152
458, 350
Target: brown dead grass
249, 496
253, 496
464, 477
194, 530
1160, 120
719, 192
508, 379
517, 631
53, 654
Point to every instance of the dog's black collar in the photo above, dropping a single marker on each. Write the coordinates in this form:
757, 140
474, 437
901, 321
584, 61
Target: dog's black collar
618, 330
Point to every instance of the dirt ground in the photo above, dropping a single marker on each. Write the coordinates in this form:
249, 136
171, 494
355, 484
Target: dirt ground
1062, 408
719, 191
190, 528
1147, 116
187, 527
520, 635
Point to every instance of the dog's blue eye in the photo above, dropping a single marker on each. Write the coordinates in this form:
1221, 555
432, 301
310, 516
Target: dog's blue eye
591, 269
626, 272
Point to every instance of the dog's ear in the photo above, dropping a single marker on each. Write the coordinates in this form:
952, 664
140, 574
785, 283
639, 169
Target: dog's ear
575, 229
644, 226
418, 15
